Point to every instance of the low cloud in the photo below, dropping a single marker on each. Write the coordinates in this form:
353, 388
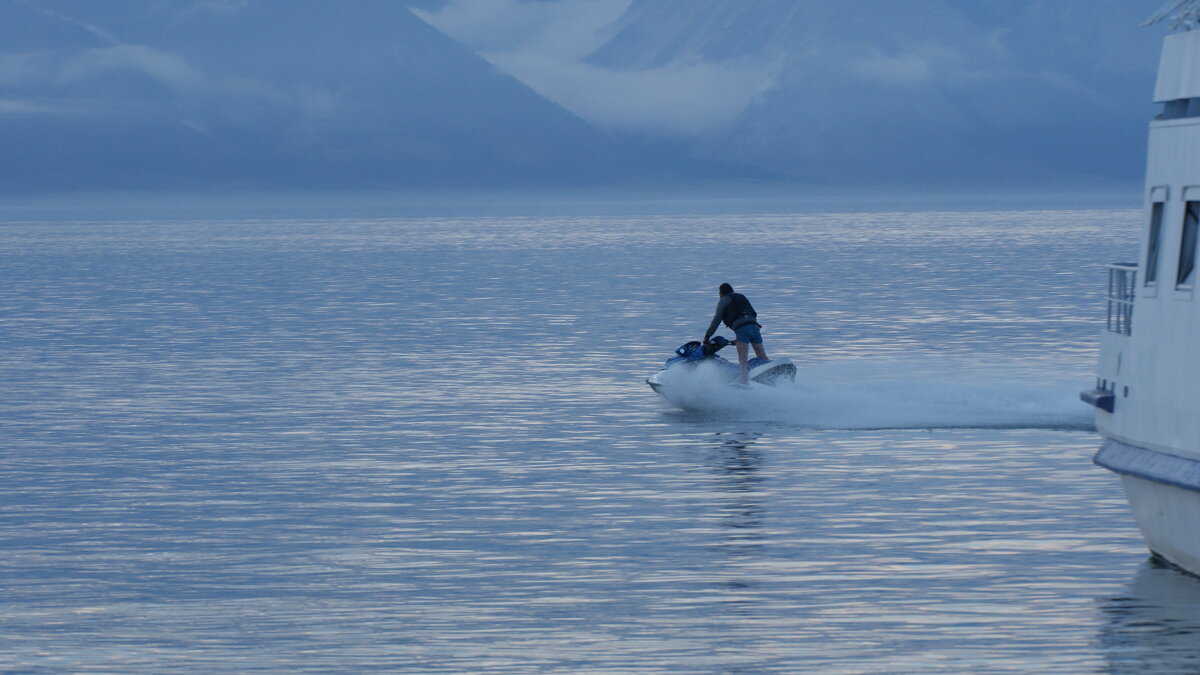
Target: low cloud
904, 70
680, 100
59, 16
169, 69
9, 106
564, 29
66, 67
24, 69
544, 44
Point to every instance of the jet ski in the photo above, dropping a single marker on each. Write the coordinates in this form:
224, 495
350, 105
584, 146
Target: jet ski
695, 353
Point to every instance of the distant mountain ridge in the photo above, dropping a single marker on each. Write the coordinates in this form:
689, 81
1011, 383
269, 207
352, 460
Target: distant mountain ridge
270, 93
249, 94
916, 92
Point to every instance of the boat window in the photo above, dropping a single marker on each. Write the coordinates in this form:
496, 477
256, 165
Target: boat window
1187, 245
1173, 110
1156, 215
1180, 109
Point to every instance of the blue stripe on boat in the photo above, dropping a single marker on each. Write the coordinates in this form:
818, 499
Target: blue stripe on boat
1159, 467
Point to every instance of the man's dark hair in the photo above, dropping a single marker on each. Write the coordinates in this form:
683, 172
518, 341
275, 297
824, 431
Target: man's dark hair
725, 289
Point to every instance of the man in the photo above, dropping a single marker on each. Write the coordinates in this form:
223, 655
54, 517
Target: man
737, 313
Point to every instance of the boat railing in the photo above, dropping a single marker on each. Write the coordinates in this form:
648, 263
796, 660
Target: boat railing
1122, 288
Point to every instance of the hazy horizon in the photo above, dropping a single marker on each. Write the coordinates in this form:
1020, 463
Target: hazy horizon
511, 203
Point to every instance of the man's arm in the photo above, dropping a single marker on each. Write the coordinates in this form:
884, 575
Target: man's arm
716, 320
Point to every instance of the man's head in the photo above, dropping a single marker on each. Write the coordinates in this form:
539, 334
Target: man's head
725, 290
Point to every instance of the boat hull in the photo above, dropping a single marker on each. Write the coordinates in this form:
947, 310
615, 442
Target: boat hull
1164, 493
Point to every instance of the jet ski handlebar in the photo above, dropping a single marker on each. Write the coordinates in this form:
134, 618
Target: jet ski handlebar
698, 349
718, 342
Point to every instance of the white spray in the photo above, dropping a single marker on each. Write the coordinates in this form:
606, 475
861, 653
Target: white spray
891, 394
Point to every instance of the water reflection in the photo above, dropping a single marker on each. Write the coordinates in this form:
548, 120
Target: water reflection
738, 460
738, 465
1154, 626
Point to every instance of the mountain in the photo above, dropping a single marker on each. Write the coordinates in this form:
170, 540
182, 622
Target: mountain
270, 93
333, 95
918, 92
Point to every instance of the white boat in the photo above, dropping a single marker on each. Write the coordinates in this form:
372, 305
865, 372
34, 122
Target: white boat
1147, 393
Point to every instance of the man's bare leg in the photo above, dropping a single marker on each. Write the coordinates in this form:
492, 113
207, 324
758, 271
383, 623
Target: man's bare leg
760, 352
743, 354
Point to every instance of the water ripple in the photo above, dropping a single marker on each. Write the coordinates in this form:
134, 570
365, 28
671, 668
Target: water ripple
425, 445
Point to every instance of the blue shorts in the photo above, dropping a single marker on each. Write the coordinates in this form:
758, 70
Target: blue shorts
749, 333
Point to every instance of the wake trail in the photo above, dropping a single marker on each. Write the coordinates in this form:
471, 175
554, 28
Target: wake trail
894, 394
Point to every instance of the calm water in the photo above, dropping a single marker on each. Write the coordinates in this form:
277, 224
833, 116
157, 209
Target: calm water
425, 445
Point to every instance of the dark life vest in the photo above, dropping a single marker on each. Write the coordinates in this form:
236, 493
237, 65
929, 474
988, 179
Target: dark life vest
738, 312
